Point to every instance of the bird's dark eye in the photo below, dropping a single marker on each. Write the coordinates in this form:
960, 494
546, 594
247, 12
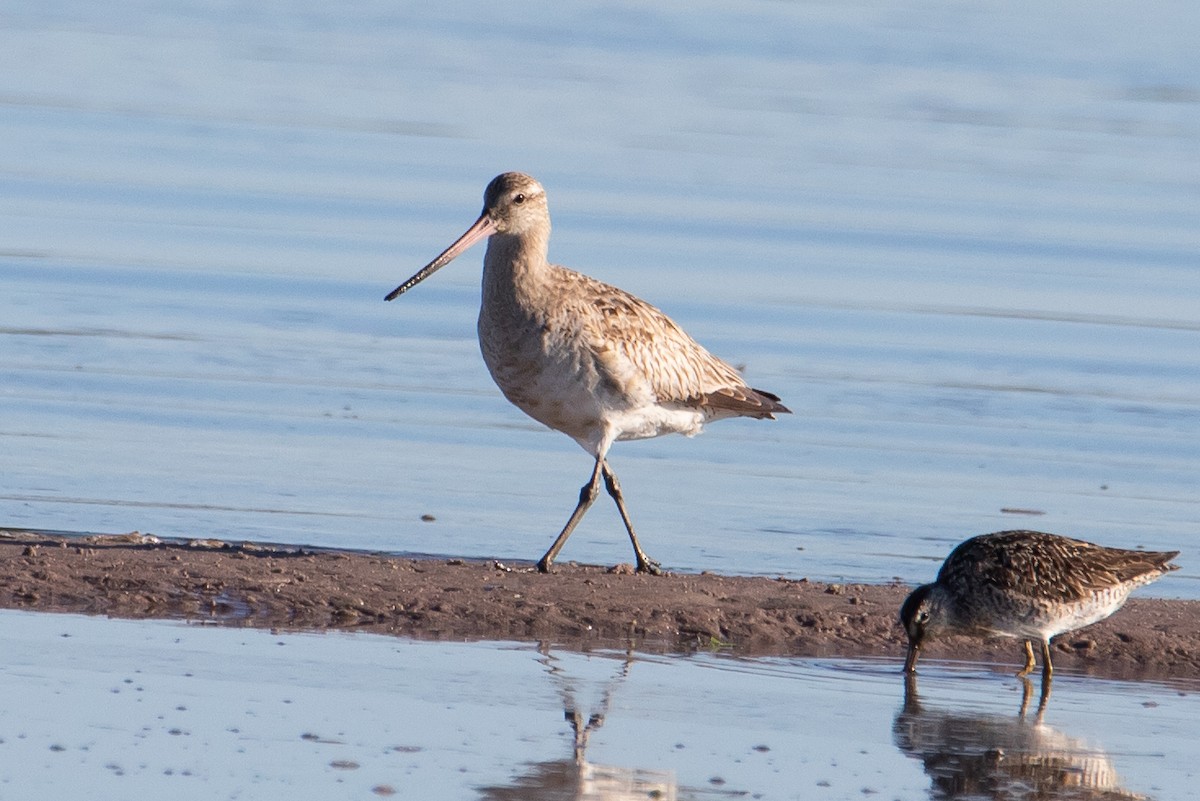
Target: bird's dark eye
519, 198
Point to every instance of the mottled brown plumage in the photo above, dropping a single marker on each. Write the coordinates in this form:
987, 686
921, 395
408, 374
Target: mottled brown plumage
1026, 584
583, 357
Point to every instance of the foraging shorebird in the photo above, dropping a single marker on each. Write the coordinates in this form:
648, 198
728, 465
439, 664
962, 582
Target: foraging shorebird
583, 357
1028, 585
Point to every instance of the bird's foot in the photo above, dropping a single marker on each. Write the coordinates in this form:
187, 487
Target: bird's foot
647, 565
543, 565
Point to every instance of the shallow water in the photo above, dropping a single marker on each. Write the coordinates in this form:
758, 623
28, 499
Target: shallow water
123, 709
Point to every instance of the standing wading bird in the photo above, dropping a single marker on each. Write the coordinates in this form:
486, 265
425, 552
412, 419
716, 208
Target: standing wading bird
1027, 585
583, 357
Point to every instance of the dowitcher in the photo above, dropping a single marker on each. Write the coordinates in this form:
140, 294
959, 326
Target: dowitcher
583, 357
1028, 585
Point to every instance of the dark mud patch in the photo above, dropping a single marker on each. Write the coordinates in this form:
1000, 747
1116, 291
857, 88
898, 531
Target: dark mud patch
286, 588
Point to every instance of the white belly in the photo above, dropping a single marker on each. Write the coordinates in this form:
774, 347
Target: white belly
562, 388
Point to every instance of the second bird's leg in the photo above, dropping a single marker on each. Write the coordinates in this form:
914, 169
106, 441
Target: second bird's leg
587, 496
1029, 660
1047, 665
644, 563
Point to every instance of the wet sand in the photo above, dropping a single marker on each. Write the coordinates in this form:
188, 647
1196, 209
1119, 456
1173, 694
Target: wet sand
289, 588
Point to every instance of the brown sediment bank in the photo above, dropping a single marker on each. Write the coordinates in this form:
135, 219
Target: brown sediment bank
290, 588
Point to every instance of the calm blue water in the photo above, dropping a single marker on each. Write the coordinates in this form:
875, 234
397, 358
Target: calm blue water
960, 241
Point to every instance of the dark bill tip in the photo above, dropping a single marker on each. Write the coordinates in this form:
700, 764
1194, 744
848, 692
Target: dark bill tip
481, 229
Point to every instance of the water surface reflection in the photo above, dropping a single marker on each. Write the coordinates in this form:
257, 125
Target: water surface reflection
972, 755
576, 778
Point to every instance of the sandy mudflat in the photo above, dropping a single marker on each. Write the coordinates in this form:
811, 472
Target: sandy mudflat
289, 588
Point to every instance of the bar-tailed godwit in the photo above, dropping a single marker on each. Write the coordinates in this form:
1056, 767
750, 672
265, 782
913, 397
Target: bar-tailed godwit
583, 357
1028, 585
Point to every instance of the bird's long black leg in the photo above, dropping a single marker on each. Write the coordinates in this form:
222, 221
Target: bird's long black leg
587, 496
644, 563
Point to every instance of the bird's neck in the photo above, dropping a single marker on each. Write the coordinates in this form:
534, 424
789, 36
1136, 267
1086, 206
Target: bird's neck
515, 266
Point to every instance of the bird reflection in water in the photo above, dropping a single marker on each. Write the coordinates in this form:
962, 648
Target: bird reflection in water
986, 756
578, 779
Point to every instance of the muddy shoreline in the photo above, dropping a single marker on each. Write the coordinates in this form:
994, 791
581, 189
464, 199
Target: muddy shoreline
583, 606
